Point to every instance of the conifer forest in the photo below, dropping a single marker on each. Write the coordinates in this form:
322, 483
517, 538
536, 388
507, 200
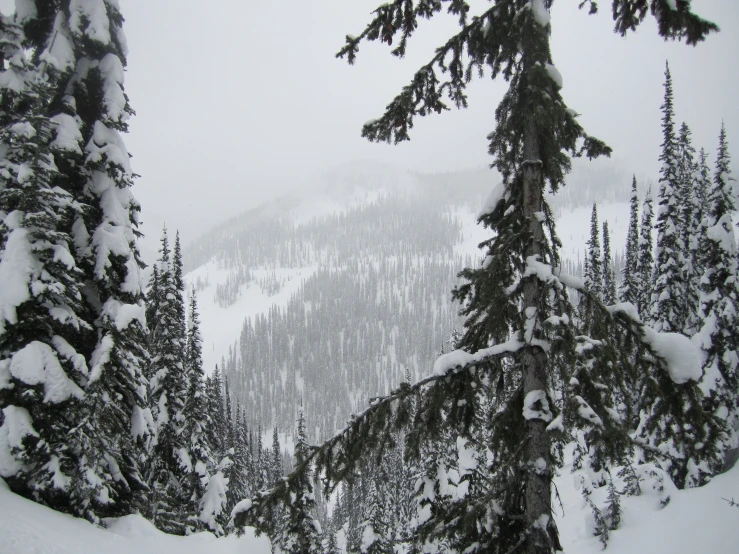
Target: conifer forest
537, 354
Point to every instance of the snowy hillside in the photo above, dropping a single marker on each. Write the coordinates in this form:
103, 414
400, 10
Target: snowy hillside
354, 186
694, 521
27, 527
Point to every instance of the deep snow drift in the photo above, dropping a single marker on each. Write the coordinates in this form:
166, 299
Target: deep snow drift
27, 527
694, 521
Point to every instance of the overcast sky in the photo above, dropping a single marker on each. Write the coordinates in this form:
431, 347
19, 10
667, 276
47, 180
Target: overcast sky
238, 101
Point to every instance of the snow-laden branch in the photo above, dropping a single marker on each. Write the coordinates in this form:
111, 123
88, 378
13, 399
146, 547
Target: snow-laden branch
679, 356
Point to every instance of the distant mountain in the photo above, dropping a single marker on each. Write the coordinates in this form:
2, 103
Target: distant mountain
332, 294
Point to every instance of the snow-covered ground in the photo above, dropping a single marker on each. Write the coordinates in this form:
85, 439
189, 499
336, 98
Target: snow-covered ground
27, 527
695, 521
221, 327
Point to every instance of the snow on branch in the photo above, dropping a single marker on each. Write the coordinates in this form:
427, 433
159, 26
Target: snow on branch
459, 359
675, 352
551, 275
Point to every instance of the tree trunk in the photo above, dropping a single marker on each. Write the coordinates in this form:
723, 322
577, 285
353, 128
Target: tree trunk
538, 484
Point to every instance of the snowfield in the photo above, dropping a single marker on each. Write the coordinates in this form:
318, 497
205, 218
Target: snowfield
696, 521
27, 527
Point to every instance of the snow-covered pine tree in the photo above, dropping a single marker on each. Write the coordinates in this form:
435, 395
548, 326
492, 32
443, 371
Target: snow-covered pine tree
197, 454
331, 547
594, 279
375, 525
669, 311
275, 459
217, 420
168, 390
645, 258
83, 51
610, 296
630, 272
239, 472
179, 285
519, 324
593, 276
719, 309
42, 322
260, 469
688, 178
699, 199
83, 42
297, 532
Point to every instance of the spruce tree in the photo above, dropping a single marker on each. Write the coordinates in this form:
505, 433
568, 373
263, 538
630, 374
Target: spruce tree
275, 459
697, 255
84, 45
110, 427
297, 531
375, 525
195, 422
42, 321
689, 192
168, 389
610, 296
668, 307
629, 290
179, 286
719, 310
217, 420
520, 327
595, 277
645, 258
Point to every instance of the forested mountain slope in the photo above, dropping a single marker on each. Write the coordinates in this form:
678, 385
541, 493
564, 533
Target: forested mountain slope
330, 296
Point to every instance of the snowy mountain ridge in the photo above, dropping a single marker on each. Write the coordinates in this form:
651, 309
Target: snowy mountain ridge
389, 237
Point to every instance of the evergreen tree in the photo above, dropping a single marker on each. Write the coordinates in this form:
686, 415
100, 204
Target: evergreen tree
375, 526
719, 310
704, 184
260, 470
217, 432
298, 532
77, 67
83, 44
42, 322
668, 306
645, 258
274, 464
168, 389
519, 327
595, 278
195, 424
179, 285
689, 192
610, 295
697, 255
629, 290
239, 473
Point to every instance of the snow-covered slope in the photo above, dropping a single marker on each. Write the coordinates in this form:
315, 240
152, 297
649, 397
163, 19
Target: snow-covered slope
221, 326
27, 527
696, 521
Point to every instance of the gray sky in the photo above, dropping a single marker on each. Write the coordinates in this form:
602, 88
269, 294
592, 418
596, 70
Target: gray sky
239, 101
